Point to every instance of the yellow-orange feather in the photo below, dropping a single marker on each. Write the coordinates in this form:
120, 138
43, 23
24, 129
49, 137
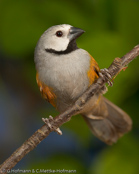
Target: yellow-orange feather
93, 70
46, 91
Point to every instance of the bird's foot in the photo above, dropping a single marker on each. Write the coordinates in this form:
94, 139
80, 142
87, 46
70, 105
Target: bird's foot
48, 121
105, 75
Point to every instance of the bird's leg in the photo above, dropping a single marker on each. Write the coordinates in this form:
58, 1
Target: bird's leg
48, 121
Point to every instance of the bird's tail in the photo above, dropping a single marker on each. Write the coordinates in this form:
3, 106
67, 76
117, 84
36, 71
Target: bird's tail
110, 128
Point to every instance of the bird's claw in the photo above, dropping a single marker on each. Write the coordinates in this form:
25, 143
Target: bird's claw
48, 121
105, 75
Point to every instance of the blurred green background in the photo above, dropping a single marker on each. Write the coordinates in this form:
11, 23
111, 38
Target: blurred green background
112, 29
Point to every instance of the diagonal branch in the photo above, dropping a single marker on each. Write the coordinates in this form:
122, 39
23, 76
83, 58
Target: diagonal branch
117, 65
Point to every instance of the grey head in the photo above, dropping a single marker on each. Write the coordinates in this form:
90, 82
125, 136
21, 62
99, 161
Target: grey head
59, 39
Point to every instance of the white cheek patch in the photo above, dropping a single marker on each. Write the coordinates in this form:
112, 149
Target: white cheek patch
57, 43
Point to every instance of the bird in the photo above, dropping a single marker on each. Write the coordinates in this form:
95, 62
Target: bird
64, 72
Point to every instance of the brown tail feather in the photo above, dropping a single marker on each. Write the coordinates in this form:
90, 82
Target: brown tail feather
109, 129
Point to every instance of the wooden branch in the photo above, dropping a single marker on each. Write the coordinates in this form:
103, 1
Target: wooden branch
117, 65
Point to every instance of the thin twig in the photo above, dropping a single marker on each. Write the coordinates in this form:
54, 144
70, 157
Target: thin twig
117, 65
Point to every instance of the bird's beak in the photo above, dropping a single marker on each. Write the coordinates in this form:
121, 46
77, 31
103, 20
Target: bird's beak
74, 33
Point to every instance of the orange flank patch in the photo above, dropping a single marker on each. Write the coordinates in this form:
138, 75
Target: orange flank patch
46, 91
93, 71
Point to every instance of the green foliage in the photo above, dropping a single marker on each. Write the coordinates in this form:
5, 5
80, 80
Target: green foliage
117, 159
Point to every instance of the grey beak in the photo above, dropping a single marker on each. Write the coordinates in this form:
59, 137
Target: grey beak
74, 33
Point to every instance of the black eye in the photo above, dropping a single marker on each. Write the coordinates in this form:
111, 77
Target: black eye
59, 33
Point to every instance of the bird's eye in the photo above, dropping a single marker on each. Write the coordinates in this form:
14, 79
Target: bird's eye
59, 33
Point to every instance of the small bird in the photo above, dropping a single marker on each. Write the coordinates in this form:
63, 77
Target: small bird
65, 72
